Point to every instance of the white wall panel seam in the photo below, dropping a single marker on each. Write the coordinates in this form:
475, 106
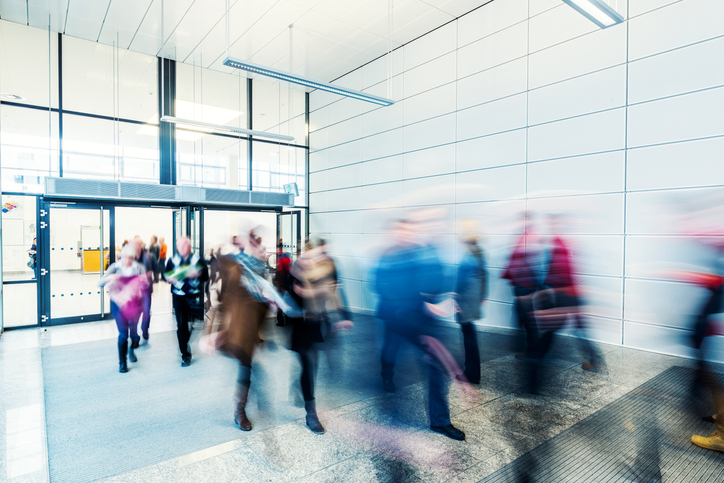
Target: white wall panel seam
654, 9
673, 96
711, 39
543, 86
678, 141
492, 33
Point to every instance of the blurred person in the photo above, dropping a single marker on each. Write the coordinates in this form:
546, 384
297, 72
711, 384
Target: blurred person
155, 250
185, 272
313, 286
146, 259
238, 313
281, 277
408, 278
162, 249
471, 291
526, 273
33, 254
343, 306
126, 281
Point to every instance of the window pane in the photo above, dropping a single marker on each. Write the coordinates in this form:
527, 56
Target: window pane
89, 85
210, 96
274, 166
24, 64
19, 230
271, 112
29, 148
99, 149
210, 160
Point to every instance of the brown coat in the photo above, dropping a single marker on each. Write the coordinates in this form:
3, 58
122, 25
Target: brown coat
234, 312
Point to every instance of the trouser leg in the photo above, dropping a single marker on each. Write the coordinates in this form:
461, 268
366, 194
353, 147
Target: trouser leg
437, 396
391, 347
308, 357
146, 319
524, 310
472, 352
181, 311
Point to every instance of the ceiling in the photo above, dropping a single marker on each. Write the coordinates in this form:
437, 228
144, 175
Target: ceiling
329, 37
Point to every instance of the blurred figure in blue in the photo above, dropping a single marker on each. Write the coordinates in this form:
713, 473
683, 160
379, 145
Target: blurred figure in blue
471, 292
408, 279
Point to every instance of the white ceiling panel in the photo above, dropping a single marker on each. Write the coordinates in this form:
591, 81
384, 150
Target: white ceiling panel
126, 14
83, 28
457, 8
89, 9
14, 11
109, 34
146, 44
152, 22
39, 18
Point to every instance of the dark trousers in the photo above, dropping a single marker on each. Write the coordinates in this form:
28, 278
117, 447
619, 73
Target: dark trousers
437, 391
125, 326
146, 317
701, 323
160, 268
472, 352
182, 311
524, 310
305, 337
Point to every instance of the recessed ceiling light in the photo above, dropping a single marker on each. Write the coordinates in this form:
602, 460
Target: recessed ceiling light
11, 97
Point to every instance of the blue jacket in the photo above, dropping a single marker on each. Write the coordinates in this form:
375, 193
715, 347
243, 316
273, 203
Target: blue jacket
471, 287
406, 278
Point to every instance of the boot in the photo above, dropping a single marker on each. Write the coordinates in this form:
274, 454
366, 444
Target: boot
122, 349
131, 354
312, 419
240, 418
714, 442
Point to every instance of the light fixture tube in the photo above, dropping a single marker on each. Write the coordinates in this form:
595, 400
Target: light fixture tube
597, 11
235, 130
304, 81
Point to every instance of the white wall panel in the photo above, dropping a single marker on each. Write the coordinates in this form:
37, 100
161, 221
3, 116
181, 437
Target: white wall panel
595, 51
597, 173
318, 160
435, 73
663, 303
344, 222
692, 163
377, 70
497, 314
344, 199
344, 177
489, 19
386, 195
343, 154
395, 91
318, 224
658, 257
436, 190
689, 116
596, 255
501, 81
318, 202
637, 7
586, 215
496, 49
380, 145
601, 295
429, 104
348, 267
677, 72
345, 131
319, 140
598, 329
377, 221
674, 26
660, 339
381, 170
491, 184
568, 25
433, 132
538, 7
581, 135
495, 217
490, 151
589, 93
494, 117
345, 108
429, 162
382, 119
435, 44
318, 181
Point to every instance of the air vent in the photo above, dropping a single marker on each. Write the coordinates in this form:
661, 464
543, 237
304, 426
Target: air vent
140, 191
81, 188
271, 199
235, 197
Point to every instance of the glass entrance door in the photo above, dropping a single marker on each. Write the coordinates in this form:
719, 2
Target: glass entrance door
79, 253
289, 232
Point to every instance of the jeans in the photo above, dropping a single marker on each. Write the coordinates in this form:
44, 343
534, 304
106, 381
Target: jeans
182, 311
524, 310
146, 318
437, 396
125, 327
472, 352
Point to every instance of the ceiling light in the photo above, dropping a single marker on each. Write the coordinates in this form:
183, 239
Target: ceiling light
12, 97
597, 11
235, 130
304, 81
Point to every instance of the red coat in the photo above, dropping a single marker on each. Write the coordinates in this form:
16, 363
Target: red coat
519, 271
560, 269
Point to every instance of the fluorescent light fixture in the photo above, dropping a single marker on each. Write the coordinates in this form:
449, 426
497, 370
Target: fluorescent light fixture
235, 130
597, 11
305, 81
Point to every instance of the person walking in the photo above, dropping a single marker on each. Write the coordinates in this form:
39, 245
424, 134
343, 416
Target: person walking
162, 256
146, 259
186, 272
155, 250
126, 281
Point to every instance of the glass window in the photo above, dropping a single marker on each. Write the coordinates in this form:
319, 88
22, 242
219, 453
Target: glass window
26, 56
102, 149
275, 165
19, 231
90, 80
210, 96
28, 147
271, 109
211, 160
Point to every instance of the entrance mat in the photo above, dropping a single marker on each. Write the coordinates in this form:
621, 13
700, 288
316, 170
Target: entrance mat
101, 423
643, 436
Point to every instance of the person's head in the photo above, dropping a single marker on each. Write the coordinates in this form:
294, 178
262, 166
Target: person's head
128, 255
34, 240
162, 241
280, 245
153, 239
403, 232
183, 245
125, 242
139, 245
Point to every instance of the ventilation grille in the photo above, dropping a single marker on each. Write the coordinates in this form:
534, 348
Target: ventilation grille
141, 191
226, 196
271, 199
81, 188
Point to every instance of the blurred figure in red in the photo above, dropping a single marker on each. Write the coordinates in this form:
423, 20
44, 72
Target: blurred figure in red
281, 277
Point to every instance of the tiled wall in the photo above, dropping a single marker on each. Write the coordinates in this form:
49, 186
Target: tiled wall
525, 104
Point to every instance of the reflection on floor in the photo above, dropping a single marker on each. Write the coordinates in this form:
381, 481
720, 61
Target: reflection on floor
371, 435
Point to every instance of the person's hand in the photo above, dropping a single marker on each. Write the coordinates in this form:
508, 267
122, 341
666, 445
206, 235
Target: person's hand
343, 325
171, 280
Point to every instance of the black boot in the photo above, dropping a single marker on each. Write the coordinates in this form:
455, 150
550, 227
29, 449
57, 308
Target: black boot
122, 350
242, 394
312, 419
131, 354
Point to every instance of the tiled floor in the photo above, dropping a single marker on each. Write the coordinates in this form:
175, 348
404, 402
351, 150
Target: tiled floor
379, 437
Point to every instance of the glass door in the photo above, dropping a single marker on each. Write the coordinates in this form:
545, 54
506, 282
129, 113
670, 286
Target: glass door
289, 232
79, 242
20, 261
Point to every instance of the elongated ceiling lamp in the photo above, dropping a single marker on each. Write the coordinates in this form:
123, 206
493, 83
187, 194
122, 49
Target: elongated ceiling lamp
207, 125
597, 11
304, 81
